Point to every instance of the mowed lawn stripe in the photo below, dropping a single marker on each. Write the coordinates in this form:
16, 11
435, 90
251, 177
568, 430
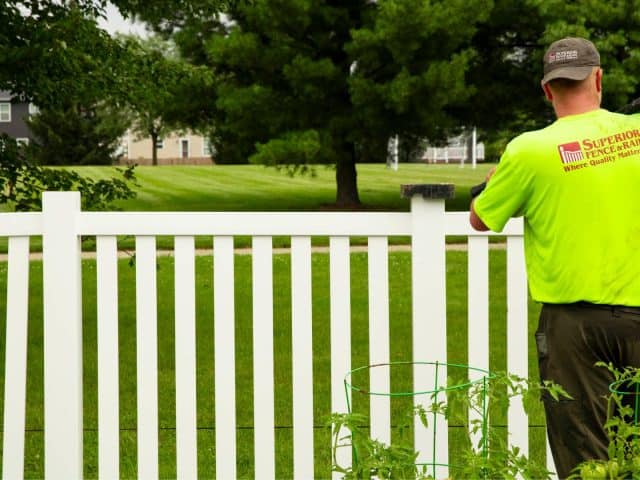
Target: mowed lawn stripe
257, 188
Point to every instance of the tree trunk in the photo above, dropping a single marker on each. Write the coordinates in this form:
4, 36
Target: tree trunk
346, 179
154, 148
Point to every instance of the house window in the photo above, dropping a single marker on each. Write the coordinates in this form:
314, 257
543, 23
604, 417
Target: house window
159, 143
5, 112
184, 148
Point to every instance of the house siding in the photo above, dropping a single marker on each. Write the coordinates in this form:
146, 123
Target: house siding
140, 151
17, 127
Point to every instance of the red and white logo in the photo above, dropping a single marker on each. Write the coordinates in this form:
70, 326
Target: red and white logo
570, 152
563, 56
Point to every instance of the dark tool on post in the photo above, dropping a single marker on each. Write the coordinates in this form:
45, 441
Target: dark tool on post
628, 109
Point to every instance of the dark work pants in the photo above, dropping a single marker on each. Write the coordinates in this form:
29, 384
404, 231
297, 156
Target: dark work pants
571, 339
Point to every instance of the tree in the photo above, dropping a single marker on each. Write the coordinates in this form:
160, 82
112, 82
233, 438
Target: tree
300, 82
76, 135
158, 81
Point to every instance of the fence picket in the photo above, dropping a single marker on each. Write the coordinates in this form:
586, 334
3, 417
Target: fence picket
429, 322
147, 357
340, 313
263, 381
185, 346
302, 357
108, 386
16, 358
380, 381
62, 318
478, 313
225, 371
517, 337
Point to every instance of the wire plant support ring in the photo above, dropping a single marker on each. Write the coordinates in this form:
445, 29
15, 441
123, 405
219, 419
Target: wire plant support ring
473, 381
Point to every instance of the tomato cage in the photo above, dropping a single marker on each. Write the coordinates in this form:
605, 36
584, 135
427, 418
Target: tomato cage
439, 392
626, 392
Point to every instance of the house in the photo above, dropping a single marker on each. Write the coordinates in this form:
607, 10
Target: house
14, 114
176, 148
458, 149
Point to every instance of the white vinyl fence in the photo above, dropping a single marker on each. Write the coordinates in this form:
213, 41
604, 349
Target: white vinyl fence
61, 225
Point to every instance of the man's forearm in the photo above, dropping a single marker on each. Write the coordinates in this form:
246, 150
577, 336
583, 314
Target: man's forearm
475, 220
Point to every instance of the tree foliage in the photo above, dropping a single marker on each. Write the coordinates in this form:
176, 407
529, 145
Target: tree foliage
76, 135
53, 52
150, 95
507, 69
22, 182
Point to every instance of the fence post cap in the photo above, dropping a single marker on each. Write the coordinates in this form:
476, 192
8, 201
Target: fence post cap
428, 190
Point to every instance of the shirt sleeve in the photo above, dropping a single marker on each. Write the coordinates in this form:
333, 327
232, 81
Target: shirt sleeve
507, 191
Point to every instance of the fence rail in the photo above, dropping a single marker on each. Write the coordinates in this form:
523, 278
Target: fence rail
62, 224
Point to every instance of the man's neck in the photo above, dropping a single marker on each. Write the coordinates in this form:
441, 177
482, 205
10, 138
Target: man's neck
562, 111
575, 106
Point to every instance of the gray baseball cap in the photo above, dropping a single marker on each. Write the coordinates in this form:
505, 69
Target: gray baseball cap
572, 58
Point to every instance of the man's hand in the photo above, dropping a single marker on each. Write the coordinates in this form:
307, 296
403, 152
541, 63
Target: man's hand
474, 219
477, 189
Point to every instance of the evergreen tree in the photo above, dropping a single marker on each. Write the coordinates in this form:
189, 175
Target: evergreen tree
76, 135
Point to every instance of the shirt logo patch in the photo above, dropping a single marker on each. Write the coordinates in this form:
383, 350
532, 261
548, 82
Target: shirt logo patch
570, 152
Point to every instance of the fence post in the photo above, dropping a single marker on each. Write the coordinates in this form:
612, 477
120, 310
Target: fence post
429, 306
62, 294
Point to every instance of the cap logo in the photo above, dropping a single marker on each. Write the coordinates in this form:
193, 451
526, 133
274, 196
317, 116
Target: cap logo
563, 56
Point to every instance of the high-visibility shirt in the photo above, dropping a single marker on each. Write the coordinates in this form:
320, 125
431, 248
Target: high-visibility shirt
577, 185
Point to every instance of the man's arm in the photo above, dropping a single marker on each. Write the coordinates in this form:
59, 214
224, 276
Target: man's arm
475, 220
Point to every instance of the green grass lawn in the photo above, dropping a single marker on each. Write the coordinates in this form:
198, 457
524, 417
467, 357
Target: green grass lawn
401, 347
258, 188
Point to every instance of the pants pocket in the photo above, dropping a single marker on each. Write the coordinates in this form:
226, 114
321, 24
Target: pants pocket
541, 345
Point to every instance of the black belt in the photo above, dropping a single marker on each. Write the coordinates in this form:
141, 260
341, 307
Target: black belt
610, 308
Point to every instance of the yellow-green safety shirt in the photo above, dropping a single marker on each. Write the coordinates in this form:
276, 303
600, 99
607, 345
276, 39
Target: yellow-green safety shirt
577, 184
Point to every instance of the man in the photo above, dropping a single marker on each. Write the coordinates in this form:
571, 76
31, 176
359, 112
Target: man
577, 185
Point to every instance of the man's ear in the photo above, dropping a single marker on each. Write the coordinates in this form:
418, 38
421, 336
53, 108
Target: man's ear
599, 80
547, 91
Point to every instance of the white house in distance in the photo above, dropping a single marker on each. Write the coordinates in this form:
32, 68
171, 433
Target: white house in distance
457, 150
462, 149
177, 148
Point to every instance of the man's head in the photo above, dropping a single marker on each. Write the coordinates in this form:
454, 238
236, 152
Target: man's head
571, 58
572, 78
